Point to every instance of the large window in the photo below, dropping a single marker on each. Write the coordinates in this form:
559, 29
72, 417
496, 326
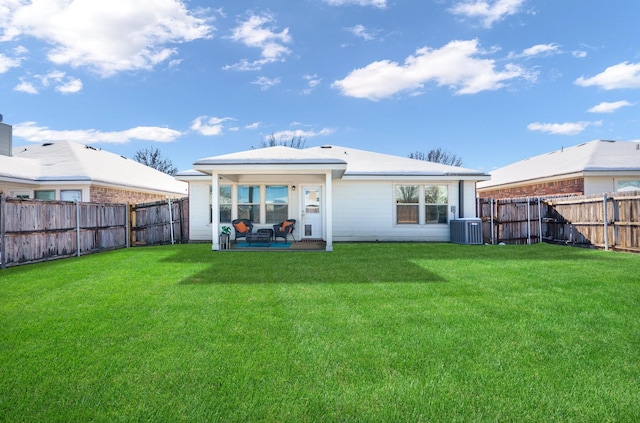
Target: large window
249, 202
407, 203
45, 194
277, 203
225, 203
629, 185
421, 204
436, 201
70, 195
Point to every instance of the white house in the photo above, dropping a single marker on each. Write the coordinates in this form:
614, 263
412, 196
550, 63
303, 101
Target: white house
65, 170
592, 167
335, 194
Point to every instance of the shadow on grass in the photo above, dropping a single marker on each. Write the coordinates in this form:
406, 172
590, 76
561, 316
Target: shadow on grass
361, 262
353, 265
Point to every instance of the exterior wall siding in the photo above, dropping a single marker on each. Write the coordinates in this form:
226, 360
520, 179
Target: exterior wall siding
364, 211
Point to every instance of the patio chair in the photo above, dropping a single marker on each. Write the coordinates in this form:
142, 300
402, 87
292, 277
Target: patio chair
242, 227
283, 229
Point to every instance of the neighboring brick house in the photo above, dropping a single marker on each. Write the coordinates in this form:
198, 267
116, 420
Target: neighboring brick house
66, 170
590, 168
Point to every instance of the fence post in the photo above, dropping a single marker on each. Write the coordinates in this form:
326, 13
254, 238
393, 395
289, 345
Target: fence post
127, 226
606, 223
171, 220
528, 221
492, 228
77, 228
3, 244
539, 222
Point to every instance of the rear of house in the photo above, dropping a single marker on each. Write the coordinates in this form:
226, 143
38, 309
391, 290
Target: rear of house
334, 193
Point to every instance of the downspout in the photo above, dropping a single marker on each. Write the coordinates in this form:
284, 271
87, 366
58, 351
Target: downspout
3, 216
461, 199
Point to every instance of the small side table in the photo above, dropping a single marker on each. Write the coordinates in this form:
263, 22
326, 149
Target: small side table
224, 241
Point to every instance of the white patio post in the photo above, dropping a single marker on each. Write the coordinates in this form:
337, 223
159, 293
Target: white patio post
328, 204
215, 212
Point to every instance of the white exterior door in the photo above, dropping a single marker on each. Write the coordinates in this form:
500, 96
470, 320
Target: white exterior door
311, 212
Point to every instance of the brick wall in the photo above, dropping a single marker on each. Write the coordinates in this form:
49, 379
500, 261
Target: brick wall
112, 195
563, 187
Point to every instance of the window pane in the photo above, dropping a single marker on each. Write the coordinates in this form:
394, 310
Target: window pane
436, 194
71, 195
629, 185
407, 213
249, 194
45, 195
277, 213
277, 194
407, 194
225, 203
436, 214
251, 212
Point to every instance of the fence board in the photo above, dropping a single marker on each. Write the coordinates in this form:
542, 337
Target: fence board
37, 230
578, 220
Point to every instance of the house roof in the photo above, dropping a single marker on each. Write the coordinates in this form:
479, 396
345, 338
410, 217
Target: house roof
600, 156
350, 163
66, 161
368, 163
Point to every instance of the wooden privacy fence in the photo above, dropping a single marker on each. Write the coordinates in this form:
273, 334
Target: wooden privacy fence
608, 221
35, 230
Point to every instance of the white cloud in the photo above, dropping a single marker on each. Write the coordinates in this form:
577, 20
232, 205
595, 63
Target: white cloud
622, 75
540, 50
455, 65
606, 107
362, 32
265, 83
209, 126
489, 11
30, 131
26, 87
254, 125
288, 134
56, 79
255, 33
7, 63
568, 128
108, 37
380, 4
579, 54
312, 82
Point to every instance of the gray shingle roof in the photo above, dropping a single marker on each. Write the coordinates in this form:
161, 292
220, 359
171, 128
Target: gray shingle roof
70, 161
593, 156
357, 162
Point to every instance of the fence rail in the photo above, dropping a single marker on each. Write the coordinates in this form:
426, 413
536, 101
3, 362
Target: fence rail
607, 221
36, 230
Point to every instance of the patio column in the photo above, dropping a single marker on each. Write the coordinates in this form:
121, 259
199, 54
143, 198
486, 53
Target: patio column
328, 204
215, 211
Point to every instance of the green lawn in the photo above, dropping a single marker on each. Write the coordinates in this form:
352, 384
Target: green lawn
367, 333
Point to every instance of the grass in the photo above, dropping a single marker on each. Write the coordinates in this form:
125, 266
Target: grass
367, 333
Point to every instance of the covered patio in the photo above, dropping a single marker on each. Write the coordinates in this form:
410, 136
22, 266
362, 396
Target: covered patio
268, 186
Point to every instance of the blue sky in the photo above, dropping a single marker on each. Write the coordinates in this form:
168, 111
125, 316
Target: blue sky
493, 81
